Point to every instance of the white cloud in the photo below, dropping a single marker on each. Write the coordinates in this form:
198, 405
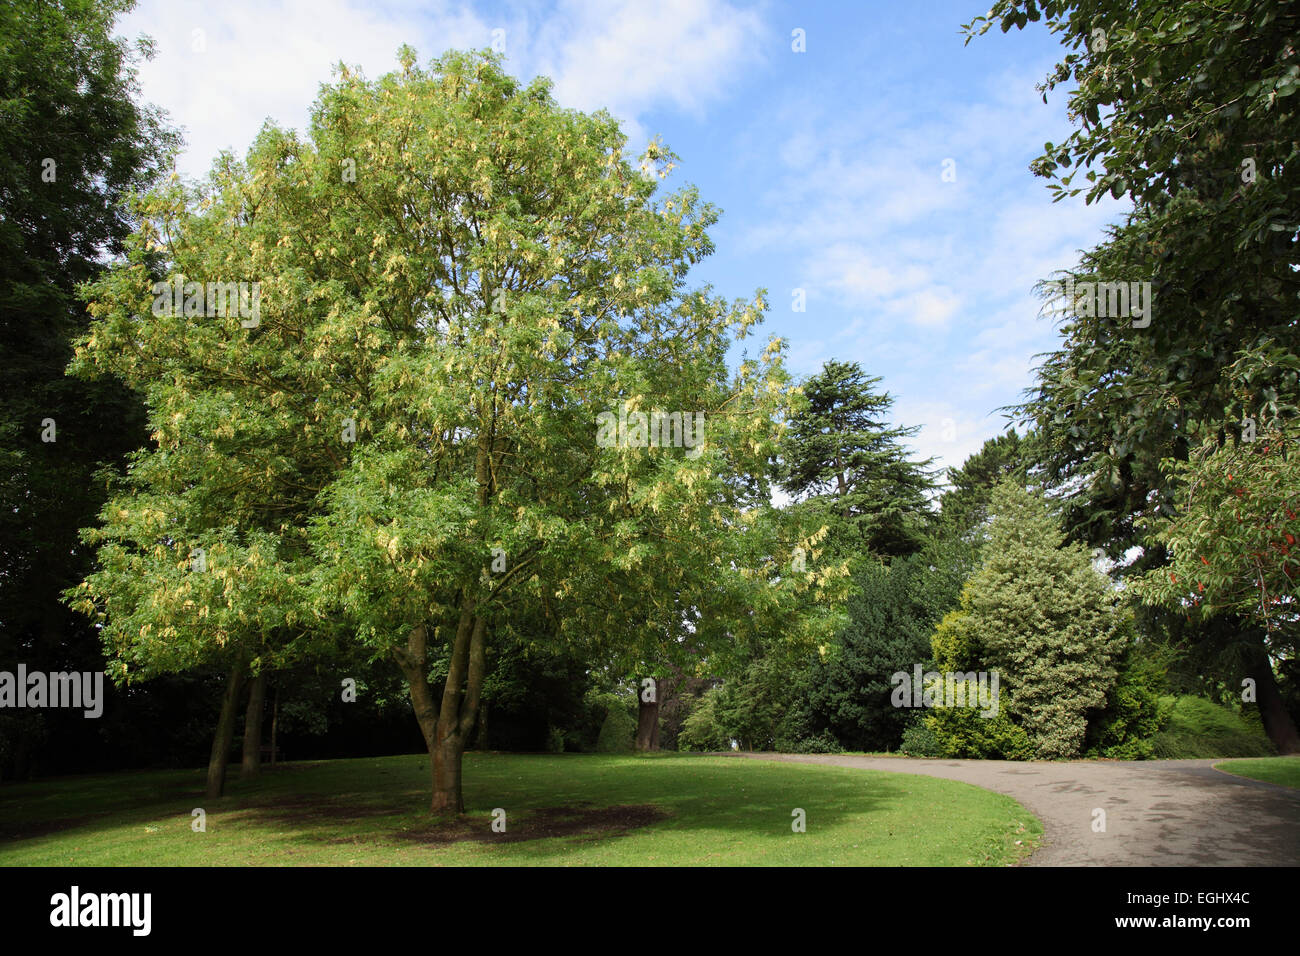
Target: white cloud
636, 56
938, 276
631, 57
932, 308
268, 59
949, 432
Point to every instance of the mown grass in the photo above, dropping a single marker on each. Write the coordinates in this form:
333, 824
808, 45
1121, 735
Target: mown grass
1283, 770
569, 809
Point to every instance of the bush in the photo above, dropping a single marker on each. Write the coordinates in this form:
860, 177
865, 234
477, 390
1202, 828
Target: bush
618, 730
555, 740
702, 730
919, 740
823, 743
760, 708
1125, 728
962, 733
1198, 728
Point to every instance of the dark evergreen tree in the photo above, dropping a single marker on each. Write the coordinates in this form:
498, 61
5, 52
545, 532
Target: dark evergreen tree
843, 459
74, 142
965, 503
892, 614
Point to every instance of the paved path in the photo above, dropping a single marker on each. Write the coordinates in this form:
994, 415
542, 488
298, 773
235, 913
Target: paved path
1158, 812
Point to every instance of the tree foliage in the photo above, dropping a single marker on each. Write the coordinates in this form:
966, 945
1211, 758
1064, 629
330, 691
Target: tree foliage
844, 462
1040, 614
457, 279
74, 141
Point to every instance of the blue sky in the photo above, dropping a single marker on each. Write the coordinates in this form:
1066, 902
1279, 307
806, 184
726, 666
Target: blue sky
828, 164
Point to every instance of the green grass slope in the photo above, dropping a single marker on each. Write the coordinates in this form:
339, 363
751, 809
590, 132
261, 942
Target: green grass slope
564, 809
1281, 770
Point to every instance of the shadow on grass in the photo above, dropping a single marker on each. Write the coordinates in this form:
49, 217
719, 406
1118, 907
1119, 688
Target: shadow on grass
549, 799
729, 797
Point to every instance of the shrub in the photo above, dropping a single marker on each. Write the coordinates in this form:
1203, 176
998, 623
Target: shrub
919, 740
701, 729
822, 743
1198, 728
962, 733
1125, 728
618, 730
555, 740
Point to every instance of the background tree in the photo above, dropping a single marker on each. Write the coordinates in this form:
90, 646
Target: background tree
1189, 110
892, 613
842, 460
202, 555
1039, 613
74, 140
1230, 545
965, 503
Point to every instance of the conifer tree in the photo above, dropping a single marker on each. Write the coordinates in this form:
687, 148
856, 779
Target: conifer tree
1044, 617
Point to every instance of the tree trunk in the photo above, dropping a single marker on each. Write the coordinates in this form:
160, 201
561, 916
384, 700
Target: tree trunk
252, 762
1273, 714
275, 721
647, 720
481, 734
225, 732
447, 728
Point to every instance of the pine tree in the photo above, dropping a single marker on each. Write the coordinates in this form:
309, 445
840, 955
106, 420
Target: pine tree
843, 459
965, 505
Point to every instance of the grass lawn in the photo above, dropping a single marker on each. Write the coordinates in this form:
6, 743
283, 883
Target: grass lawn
1283, 770
570, 809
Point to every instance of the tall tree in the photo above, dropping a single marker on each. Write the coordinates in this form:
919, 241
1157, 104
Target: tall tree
485, 299
970, 488
1044, 618
1189, 110
843, 460
892, 612
201, 550
74, 141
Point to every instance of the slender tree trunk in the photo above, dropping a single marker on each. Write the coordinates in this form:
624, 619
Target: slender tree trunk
275, 720
458, 712
647, 719
252, 762
225, 732
1273, 714
413, 662
481, 734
